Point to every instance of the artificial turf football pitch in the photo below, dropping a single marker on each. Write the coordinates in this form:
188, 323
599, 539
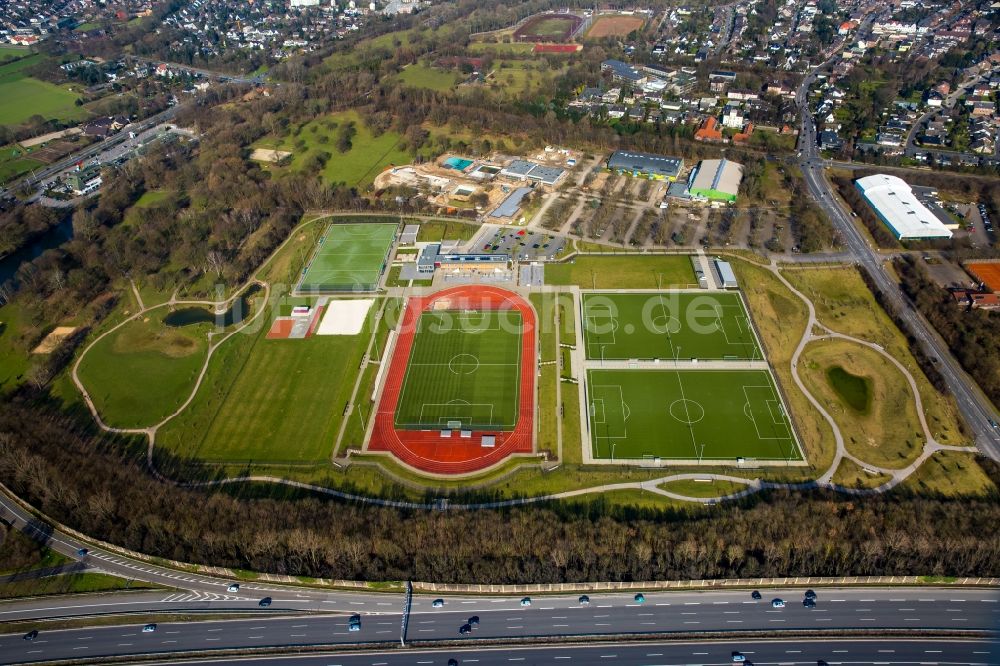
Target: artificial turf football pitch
349, 257
464, 372
668, 325
688, 415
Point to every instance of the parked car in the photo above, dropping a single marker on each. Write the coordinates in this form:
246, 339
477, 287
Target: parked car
438, 603
777, 603
149, 628
584, 600
265, 602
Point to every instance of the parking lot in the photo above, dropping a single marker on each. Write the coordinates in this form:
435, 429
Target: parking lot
520, 244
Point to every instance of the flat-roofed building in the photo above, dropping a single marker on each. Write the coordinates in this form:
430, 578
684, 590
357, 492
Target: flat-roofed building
646, 165
716, 180
899, 209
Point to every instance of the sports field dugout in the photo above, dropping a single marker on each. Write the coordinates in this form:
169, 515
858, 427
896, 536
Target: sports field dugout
348, 257
699, 415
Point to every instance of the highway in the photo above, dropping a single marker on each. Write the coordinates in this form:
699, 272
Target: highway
974, 406
609, 614
786, 652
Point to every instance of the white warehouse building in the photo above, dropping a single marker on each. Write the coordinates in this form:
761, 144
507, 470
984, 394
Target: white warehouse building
896, 205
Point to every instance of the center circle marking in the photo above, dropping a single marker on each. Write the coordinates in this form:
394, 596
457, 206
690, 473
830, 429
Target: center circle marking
463, 364
687, 411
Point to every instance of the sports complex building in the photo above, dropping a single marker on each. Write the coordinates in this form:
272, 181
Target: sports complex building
899, 209
646, 165
715, 180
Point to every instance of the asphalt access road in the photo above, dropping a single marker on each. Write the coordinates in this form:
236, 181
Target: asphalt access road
798, 652
612, 614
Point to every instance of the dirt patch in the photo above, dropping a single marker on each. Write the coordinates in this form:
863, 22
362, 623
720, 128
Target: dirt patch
614, 26
52, 340
269, 155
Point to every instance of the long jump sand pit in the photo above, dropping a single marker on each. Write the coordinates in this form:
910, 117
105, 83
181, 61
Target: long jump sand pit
269, 155
614, 26
53, 339
345, 317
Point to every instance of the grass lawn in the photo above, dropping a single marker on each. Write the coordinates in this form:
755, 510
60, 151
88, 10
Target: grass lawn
8, 53
349, 257
152, 198
548, 411
366, 158
952, 474
710, 488
551, 27
13, 358
844, 303
420, 75
22, 96
438, 230
883, 431
667, 325
850, 475
84, 27
463, 367
688, 414
11, 168
145, 370
623, 272
781, 320
512, 48
270, 401
69, 584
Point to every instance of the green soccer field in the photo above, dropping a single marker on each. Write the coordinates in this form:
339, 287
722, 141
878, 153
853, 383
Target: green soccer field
668, 325
349, 257
464, 371
688, 414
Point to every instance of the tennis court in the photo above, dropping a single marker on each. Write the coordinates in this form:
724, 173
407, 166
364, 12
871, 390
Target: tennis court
688, 415
464, 371
348, 257
668, 325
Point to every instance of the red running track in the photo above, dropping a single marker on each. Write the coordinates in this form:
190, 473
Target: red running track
426, 450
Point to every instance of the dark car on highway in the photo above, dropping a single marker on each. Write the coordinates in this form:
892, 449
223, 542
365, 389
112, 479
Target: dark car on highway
465, 629
31, 635
265, 602
474, 621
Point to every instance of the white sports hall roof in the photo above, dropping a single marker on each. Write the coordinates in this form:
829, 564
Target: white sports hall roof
899, 208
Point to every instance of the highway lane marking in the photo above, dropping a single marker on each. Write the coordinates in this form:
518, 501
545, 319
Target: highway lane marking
911, 619
793, 651
734, 621
298, 635
654, 654
125, 645
82, 647
516, 626
560, 625
609, 656
165, 642
255, 637
299, 626
213, 639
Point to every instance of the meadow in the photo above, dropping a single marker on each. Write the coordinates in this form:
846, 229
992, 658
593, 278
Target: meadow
22, 96
368, 155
